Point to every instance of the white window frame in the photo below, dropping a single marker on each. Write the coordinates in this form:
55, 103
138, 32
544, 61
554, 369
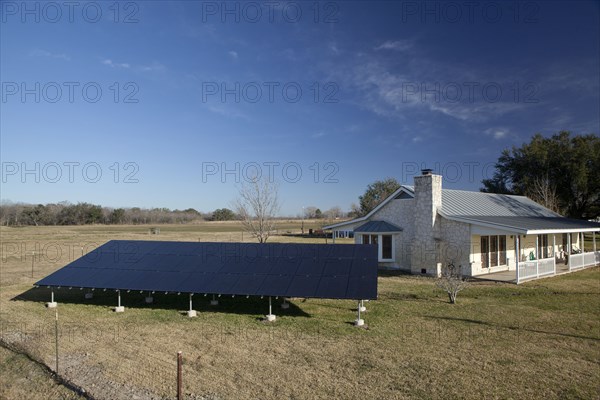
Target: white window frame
380, 245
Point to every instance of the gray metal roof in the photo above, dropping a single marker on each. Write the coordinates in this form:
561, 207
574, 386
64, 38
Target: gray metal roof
377, 226
530, 224
460, 202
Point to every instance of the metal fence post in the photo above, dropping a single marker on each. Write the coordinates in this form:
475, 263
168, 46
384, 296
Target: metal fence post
179, 378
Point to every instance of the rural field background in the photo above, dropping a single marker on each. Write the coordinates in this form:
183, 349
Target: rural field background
536, 340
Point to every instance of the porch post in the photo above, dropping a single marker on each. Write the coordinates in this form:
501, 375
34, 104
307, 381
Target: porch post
333, 232
537, 256
582, 243
569, 249
554, 252
594, 240
517, 255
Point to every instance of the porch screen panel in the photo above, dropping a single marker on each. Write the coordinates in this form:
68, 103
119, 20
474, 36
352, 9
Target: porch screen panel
502, 250
543, 246
485, 249
365, 239
494, 251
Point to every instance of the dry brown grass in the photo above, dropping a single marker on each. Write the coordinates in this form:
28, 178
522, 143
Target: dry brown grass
537, 340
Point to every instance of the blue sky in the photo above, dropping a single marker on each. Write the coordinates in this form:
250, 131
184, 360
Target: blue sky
161, 97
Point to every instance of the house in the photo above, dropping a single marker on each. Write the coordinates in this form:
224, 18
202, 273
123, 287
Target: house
420, 228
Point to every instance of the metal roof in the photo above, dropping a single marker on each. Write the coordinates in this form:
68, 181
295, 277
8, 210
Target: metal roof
515, 213
378, 227
459, 202
531, 224
273, 269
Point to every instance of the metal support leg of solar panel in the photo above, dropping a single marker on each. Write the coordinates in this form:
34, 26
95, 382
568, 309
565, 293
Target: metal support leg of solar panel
285, 305
270, 316
52, 303
119, 307
362, 306
214, 301
359, 321
191, 312
149, 299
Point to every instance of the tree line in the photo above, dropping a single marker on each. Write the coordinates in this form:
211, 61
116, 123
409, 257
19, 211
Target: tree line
65, 213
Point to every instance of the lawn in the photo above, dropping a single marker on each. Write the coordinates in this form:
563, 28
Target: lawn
540, 339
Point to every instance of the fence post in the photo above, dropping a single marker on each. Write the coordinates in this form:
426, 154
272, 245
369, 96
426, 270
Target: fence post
179, 362
56, 337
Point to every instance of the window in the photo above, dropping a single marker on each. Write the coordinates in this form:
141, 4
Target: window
369, 239
493, 251
485, 251
502, 250
386, 247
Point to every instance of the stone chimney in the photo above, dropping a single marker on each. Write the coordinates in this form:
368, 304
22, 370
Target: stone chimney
428, 199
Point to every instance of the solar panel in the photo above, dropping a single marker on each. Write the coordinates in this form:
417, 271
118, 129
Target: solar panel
273, 269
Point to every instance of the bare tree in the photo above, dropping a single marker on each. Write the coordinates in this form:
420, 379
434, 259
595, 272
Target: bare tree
544, 192
257, 206
452, 281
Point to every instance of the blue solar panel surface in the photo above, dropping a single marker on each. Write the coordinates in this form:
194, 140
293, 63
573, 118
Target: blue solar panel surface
268, 269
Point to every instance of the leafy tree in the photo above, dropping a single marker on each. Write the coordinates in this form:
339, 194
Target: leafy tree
561, 172
223, 214
376, 192
117, 216
318, 213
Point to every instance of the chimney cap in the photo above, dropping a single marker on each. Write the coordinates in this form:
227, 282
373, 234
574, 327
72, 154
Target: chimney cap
426, 171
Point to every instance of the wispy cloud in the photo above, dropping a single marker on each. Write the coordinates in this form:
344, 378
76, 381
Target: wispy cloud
153, 67
497, 133
110, 63
233, 54
397, 45
46, 53
318, 135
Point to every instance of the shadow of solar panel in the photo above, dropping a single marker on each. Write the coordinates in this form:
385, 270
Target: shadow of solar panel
332, 287
303, 286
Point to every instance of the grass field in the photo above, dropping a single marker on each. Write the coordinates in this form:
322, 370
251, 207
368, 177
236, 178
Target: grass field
536, 340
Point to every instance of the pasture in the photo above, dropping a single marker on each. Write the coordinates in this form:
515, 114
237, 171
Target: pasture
537, 340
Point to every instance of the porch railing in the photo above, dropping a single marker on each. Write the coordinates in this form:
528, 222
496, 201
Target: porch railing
536, 268
582, 260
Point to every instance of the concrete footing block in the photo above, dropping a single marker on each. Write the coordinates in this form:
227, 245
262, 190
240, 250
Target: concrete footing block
285, 306
271, 317
192, 313
149, 299
89, 295
359, 322
120, 309
363, 308
52, 304
214, 302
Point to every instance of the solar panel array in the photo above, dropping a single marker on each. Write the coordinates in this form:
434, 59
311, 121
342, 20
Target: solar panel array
268, 269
